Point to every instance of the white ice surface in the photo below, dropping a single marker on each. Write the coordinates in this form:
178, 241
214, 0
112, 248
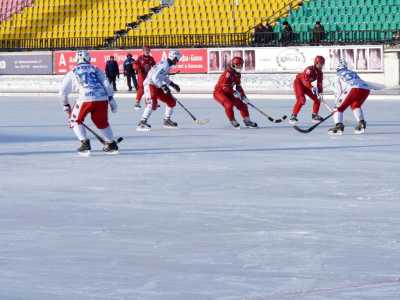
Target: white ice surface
199, 213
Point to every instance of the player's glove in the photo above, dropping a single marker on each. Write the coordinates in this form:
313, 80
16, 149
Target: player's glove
175, 86
236, 94
113, 104
166, 89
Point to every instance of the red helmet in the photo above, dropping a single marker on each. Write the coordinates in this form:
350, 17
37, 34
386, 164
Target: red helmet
237, 63
319, 60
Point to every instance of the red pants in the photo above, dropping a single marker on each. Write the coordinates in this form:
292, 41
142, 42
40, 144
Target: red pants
156, 93
301, 91
98, 111
140, 88
355, 99
228, 102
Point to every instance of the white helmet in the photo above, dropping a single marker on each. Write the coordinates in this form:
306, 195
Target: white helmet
341, 65
82, 56
174, 54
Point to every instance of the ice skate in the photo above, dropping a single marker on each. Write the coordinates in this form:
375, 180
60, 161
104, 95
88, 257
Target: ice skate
143, 126
337, 130
235, 123
293, 120
250, 124
168, 123
137, 106
111, 148
84, 149
316, 118
360, 128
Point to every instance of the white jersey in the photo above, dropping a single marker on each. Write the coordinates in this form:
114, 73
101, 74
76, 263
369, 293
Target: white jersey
89, 81
158, 75
347, 80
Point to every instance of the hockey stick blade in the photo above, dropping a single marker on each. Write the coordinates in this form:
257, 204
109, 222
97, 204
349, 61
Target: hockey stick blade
284, 117
195, 120
201, 122
307, 130
267, 116
98, 137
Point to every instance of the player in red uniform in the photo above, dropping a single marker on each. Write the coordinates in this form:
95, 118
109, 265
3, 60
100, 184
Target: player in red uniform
142, 66
302, 87
229, 93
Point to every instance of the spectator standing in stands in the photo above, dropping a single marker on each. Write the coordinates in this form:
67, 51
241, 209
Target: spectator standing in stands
129, 72
259, 32
112, 72
269, 33
318, 32
287, 32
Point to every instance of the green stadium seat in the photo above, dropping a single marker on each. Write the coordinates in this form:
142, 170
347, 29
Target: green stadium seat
349, 15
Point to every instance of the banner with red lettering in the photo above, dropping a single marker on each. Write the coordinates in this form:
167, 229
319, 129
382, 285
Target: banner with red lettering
192, 61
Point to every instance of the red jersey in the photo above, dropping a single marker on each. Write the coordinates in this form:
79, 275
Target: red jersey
309, 75
143, 65
227, 81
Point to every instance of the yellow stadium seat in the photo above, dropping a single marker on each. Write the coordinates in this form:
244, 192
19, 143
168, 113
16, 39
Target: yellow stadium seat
87, 18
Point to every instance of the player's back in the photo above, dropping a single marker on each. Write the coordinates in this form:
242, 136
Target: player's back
90, 82
351, 79
158, 74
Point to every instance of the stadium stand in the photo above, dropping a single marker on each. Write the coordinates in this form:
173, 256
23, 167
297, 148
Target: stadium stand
54, 19
212, 16
347, 20
347, 15
10, 7
60, 24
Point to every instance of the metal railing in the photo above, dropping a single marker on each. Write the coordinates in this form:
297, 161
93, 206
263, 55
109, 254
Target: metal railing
248, 39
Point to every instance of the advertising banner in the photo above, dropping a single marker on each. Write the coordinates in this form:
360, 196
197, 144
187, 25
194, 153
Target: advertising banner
295, 59
192, 61
35, 63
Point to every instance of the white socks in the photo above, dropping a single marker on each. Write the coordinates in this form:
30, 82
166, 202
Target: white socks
338, 117
358, 114
168, 112
107, 134
79, 131
147, 111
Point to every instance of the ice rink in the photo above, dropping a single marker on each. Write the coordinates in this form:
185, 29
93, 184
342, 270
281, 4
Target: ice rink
201, 212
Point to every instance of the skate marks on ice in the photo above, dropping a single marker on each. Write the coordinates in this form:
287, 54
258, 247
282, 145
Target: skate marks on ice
197, 150
335, 290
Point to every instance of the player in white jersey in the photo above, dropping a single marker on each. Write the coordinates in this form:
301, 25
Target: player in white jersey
352, 91
95, 94
156, 87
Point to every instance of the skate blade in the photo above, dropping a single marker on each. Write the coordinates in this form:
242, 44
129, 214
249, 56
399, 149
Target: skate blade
142, 129
315, 121
111, 152
359, 131
292, 122
170, 127
136, 108
335, 133
84, 153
